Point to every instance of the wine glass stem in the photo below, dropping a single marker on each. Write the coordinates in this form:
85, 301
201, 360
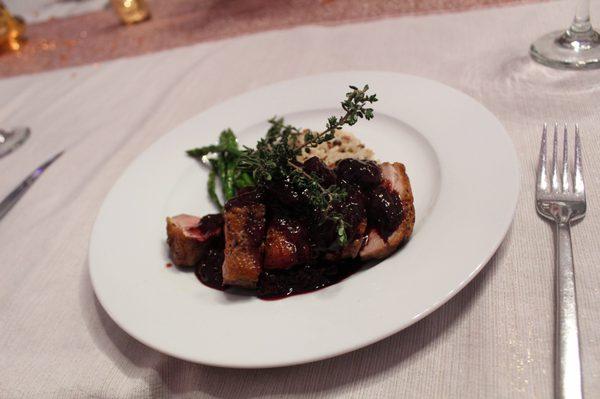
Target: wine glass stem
581, 22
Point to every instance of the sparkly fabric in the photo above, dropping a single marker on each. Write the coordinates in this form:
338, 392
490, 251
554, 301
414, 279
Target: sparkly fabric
99, 36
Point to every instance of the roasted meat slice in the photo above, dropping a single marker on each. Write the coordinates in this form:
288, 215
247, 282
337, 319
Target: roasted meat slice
351, 250
383, 210
244, 240
189, 236
286, 244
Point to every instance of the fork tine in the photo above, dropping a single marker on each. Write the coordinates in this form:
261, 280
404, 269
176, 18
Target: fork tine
565, 166
578, 174
542, 173
555, 183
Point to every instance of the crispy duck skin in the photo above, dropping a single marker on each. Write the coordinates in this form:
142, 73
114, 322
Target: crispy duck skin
395, 179
244, 242
188, 237
286, 244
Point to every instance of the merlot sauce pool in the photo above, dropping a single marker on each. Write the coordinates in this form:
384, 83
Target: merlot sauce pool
279, 284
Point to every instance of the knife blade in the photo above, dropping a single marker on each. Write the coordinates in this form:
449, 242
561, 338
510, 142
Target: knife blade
15, 195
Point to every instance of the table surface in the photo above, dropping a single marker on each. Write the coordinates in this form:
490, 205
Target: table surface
99, 36
494, 339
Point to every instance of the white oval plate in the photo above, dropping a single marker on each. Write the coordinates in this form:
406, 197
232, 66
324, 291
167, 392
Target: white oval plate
464, 174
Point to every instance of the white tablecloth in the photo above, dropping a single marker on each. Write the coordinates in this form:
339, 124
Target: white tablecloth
493, 340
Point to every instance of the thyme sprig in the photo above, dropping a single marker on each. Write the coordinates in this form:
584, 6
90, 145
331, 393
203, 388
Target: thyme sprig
355, 106
274, 160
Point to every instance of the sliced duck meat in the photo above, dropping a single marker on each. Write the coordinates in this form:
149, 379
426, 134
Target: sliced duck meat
391, 213
245, 232
286, 244
189, 237
352, 249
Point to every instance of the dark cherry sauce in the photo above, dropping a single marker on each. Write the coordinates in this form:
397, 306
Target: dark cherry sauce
210, 223
353, 209
284, 192
209, 270
367, 200
363, 173
314, 166
384, 210
279, 284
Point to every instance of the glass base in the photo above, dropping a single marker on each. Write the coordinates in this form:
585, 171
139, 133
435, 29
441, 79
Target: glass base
11, 140
568, 50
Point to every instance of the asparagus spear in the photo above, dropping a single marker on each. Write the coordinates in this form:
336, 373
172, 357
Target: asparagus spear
224, 166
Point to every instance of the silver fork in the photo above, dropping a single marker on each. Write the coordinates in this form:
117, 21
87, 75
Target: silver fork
561, 199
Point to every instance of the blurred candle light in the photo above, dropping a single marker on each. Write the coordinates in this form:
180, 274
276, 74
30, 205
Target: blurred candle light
132, 11
3, 30
12, 29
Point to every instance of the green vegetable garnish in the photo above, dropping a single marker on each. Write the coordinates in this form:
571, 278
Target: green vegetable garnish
225, 166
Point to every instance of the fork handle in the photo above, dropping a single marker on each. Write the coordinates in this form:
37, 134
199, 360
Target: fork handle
566, 356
